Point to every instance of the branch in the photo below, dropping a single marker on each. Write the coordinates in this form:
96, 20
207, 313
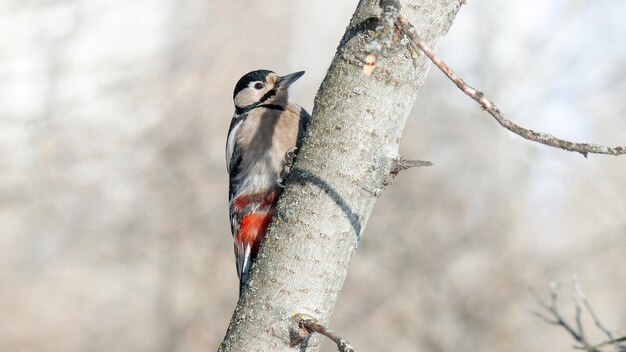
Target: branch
615, 342
312, 325
486, 104
557, 319
403, 163
580, 295
554, 317
612, 340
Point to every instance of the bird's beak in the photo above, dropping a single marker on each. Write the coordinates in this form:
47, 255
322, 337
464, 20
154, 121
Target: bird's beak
285, 81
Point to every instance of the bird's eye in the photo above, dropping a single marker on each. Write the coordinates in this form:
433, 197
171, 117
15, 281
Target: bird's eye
258, 85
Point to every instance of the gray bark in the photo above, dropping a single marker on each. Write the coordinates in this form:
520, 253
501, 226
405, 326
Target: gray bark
342, 169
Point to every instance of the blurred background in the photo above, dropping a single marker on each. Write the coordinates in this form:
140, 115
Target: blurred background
114, 231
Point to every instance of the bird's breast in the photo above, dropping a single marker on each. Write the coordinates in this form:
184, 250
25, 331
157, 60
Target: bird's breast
264, 138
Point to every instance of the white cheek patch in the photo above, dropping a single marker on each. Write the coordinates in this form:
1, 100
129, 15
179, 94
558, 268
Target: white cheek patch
246, 97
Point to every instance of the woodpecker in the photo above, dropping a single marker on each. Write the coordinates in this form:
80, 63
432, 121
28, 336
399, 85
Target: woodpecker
265, 135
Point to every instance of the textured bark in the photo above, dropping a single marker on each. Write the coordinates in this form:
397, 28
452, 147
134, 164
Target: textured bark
343, 167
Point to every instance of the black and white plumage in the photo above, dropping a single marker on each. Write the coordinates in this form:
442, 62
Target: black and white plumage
264, 128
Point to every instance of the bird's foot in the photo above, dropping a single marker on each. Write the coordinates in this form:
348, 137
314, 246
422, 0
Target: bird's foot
290, 158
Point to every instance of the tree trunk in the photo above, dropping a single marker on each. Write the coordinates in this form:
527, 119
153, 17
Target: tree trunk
343, 167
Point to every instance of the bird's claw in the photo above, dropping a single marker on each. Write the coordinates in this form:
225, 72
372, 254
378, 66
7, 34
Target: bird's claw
290, 158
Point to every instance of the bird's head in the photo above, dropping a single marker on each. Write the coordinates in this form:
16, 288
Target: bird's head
263, 87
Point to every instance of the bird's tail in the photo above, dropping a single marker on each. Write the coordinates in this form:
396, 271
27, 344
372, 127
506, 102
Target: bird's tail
247, 242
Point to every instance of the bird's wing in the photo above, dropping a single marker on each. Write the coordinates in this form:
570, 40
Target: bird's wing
233, 163
232, 158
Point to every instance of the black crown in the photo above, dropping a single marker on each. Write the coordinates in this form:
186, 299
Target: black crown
253, 76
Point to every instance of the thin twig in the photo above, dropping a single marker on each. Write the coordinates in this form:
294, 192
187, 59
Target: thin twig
557, 319
403, 163
615, 342
486, 104
554, 310
312, 325
582, 297
554, 317
579, 323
